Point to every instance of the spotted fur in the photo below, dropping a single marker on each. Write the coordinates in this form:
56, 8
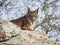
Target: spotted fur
26, 21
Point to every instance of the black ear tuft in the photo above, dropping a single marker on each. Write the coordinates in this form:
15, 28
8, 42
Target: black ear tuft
29, 10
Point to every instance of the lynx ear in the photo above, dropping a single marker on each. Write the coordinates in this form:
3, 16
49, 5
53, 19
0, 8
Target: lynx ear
29, 10
37, 10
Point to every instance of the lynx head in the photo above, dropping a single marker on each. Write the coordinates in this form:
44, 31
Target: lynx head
32, 15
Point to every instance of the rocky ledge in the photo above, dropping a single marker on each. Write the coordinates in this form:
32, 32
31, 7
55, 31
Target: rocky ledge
17, 36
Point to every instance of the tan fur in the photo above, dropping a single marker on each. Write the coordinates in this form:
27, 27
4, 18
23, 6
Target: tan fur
26, 21
2, 35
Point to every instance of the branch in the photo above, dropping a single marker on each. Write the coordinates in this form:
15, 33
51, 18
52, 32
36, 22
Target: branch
53, 2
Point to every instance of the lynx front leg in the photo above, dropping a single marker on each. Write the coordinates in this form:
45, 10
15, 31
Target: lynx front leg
27, 27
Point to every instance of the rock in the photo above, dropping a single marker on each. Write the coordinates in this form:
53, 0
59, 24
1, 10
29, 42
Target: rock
7, 30
25, 37
30, 38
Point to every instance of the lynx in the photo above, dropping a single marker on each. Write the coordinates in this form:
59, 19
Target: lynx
27, 21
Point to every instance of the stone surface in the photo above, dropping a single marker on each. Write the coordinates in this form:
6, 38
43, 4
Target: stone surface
30, 38
7, 30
